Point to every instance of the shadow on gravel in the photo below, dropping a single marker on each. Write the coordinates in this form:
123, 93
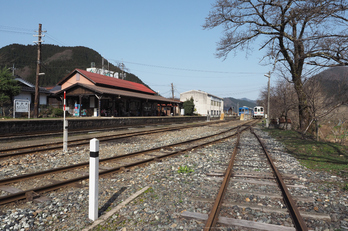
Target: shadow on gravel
110, 201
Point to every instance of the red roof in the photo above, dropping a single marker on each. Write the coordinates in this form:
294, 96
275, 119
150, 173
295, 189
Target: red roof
98, 79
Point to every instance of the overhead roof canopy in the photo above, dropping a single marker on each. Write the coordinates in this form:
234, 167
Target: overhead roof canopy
105, 85
111, 82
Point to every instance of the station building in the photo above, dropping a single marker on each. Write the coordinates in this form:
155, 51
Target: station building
92, 94
27, 92
205, 103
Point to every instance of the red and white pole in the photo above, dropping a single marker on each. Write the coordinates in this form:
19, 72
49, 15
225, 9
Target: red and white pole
65, 129
64, 103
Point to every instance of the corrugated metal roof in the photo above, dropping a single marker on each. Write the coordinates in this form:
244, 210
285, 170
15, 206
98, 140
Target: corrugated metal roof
98, 79
113, 91
28, 87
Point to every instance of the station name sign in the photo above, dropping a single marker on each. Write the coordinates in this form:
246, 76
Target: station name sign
21, 105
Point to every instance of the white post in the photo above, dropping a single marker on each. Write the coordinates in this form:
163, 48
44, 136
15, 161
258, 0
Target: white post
93, 179
65, 129
65, 135
14, 109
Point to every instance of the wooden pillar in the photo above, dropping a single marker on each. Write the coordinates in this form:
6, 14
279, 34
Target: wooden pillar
113, 106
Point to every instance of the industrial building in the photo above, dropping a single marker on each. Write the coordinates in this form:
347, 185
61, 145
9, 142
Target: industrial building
205, 103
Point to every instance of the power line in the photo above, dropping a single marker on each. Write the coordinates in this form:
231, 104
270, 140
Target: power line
17, 28
186, 69
17, 32
190, 76
54, 39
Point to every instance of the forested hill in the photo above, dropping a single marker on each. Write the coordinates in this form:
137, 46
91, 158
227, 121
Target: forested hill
232, 102
57, 62
334, 81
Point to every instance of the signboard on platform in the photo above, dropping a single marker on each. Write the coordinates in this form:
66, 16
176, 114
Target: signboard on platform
21, 105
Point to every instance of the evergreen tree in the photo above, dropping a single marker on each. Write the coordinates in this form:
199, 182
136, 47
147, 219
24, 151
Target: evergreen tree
8, 86
189, 107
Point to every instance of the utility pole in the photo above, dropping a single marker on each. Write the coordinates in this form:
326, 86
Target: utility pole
172, 91
123, 75
173, 99
103, 66
268, 94
38, 67
13, 69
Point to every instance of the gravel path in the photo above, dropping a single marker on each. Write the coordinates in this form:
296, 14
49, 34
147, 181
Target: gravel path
170, 192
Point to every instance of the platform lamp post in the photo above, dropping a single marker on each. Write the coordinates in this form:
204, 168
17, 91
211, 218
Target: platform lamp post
269, 79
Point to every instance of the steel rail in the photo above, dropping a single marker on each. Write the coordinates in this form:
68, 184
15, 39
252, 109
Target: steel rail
291, 205
23, 195
58, 145
113, 158
214, 213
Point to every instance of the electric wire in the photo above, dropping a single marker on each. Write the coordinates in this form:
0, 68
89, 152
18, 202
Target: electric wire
187, 69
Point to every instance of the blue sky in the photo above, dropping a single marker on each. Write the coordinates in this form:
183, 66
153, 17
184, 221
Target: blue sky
160, 41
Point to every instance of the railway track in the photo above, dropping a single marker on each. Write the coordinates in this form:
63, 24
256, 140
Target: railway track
222, 216
30, 149
107, 166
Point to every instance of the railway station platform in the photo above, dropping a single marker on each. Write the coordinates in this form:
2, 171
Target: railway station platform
26, 126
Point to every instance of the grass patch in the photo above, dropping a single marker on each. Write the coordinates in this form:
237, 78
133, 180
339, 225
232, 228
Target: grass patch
149, 190
185, 169
318, 156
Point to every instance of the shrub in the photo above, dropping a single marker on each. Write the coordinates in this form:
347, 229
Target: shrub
57, 112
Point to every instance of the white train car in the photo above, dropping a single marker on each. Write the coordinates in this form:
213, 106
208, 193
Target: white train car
258, 112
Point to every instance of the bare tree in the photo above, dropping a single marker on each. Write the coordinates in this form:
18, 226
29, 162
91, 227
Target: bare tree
283, 100
318, 102
338, 125
286, 99
321, 103
297, 34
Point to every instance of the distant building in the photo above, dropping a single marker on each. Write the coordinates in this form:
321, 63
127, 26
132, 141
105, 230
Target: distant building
204, 102
103, 72
28, 92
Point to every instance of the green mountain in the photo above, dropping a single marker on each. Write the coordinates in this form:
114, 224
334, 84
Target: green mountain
232, 102
56, 62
